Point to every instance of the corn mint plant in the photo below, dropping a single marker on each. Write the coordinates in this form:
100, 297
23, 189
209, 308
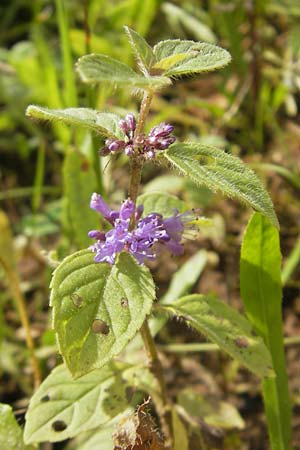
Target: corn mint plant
103, 295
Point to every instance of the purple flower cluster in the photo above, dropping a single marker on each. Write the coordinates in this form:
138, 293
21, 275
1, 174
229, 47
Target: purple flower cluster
159, 138
139, 241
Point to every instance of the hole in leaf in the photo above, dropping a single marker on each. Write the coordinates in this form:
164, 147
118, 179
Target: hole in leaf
100, 327
124, 302
59, 425
46, 398
241, 342
204, 160
76, 299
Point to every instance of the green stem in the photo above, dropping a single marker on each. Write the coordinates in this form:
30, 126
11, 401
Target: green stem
39, 177
69, 77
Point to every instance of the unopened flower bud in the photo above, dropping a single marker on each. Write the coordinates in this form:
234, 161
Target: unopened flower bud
97, 234
130, 120
129, 151
116, 146
124, 126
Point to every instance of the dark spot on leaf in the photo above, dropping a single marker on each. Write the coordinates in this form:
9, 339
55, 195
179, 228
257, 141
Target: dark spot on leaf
46, 398
124, 302
100, 327
241, 342
76, 299
59, 425
84, 166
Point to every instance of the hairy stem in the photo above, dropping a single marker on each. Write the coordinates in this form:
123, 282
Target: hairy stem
17, 293
157, 370
155, 364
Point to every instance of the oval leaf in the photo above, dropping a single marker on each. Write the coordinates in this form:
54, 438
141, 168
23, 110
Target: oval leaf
226, 327
199, 57
105, 124
96, 68
223, 172
98, 308
62, 407
160, 203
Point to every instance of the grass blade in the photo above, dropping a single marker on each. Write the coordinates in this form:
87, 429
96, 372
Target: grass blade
262, 293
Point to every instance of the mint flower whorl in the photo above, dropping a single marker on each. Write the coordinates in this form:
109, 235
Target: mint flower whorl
139, 241
159, 138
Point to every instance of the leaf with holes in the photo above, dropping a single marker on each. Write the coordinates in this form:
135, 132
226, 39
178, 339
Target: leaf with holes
142, 50
96, 68
63, 407
178, 57
226, 327
98, 308
104, 124
160, 203
221, 172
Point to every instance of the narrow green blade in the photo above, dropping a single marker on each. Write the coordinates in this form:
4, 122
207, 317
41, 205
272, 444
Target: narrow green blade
262, 294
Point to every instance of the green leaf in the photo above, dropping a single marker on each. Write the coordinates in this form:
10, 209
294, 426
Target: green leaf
214, 412
184, 279
199, 57
105, 124
101, 68
262, 296
98, 308
181, 439
79, 184
96, 439
160, 203
221, 172
226, 327
11, 435
62, 407
142, 50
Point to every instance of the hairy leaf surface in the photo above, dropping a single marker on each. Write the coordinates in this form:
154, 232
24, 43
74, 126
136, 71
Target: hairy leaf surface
226, 327
96, 68
161, 203
62, 407
98, 308
105, 124
141, 48
262, 296
199, 57
221, 172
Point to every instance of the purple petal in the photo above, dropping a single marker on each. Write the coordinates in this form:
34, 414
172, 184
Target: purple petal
96, 234
127, 209
98, 204
130, 120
